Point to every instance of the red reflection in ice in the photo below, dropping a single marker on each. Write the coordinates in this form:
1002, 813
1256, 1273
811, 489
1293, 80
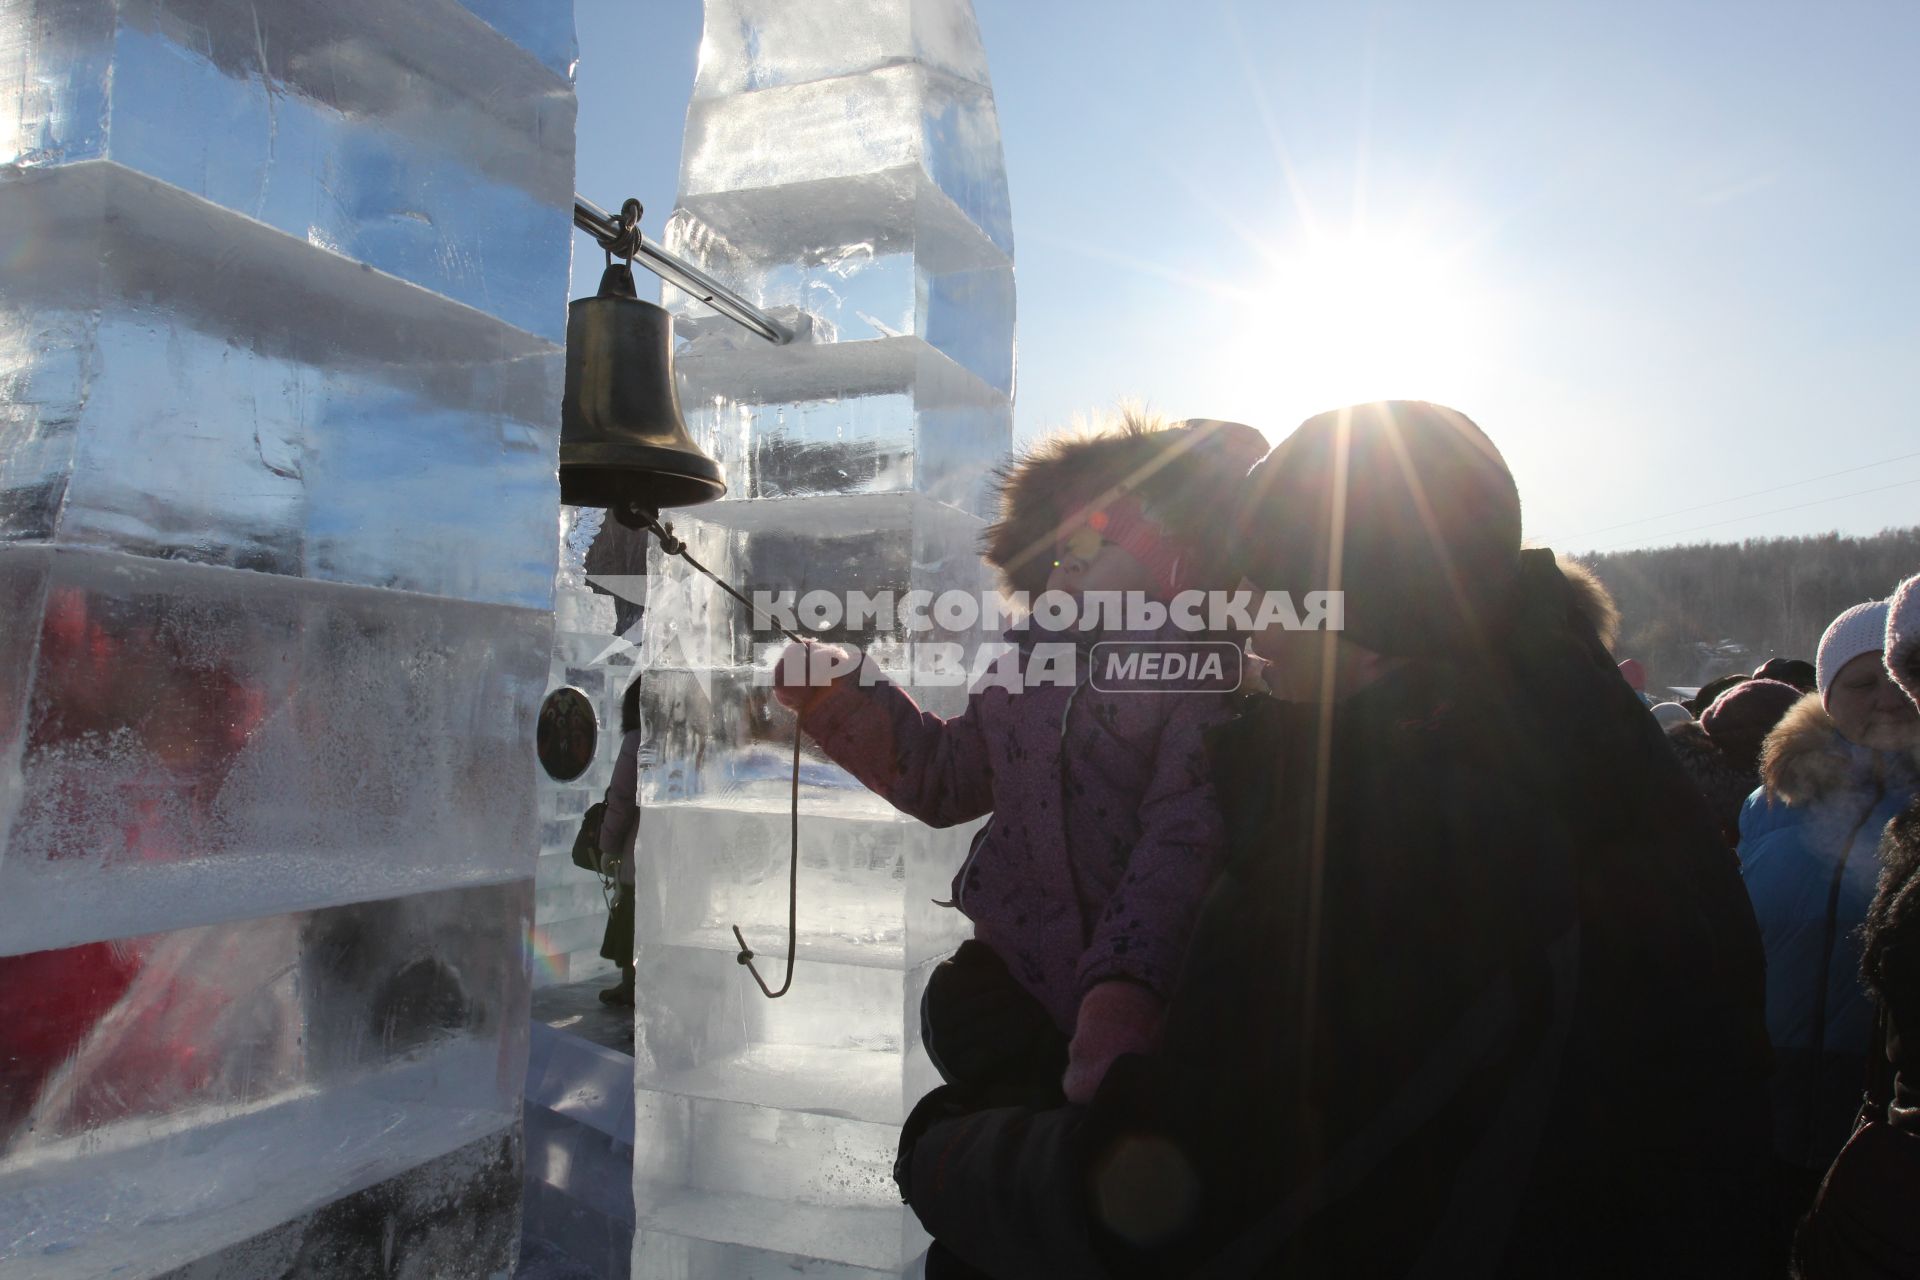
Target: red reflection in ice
49, 1001
142, 725
145, 721
148, 1026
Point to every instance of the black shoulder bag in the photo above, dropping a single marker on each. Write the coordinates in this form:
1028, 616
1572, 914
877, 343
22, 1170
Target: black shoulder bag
586, 841
1865, 1221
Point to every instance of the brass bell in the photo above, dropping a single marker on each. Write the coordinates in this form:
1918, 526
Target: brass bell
623, 443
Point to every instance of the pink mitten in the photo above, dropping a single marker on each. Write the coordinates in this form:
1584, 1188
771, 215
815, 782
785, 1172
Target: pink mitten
1115, 1018
803, 679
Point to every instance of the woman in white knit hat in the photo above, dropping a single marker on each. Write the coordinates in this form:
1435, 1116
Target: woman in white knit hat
1834, 771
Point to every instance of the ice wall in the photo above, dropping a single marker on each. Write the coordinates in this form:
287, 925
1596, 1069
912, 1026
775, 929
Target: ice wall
842, 167
282, 293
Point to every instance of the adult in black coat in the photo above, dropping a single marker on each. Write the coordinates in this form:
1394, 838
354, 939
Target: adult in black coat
1479, 992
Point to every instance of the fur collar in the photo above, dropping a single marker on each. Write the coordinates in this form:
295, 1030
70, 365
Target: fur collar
1805, 758
1181, 473
1591, 599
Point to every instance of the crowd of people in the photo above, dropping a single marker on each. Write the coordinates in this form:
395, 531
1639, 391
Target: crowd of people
1432, 949
1808, 766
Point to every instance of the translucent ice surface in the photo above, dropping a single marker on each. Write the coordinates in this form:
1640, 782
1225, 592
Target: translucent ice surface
207, 1083
761, 44
834, 162
411, 138
905, 420
858, 294
716, 864
157, 410
202, 745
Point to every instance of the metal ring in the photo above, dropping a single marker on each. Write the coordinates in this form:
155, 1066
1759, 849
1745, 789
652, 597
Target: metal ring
627, 243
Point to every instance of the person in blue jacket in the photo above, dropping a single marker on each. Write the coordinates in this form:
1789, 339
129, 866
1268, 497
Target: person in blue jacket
1834, 772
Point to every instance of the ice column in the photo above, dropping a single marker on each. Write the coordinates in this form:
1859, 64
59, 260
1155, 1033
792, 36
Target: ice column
282, 298
842, 167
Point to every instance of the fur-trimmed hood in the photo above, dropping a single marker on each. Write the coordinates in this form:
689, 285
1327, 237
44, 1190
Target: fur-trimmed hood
1806, 760
1181, 473
1705, 762
1724, 784
1591, 599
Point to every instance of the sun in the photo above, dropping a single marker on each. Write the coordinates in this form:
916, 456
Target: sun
1364, 315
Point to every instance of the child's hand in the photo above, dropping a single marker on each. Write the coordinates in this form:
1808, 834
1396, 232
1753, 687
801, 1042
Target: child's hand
803, 677
1116, 1018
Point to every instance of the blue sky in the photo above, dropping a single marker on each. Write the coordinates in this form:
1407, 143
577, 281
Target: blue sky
1668, 255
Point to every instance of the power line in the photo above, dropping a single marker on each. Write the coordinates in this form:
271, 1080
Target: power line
1721, 502
1755, 515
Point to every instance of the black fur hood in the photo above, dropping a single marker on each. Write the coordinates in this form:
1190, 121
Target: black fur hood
1891, 935
1724, 784
1706, 763
1184, 474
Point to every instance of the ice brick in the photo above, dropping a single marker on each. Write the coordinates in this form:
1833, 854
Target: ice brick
437, 152
904, 420
712, 864
203, 744
843, 1041
451, 1216
150, 1119
900, 156
733, 1148
854, 294
760, 44
158, 412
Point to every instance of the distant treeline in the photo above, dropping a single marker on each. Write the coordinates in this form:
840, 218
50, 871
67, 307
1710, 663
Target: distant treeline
1693, 613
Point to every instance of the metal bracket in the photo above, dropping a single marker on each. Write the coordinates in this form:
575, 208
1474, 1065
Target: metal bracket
622, 238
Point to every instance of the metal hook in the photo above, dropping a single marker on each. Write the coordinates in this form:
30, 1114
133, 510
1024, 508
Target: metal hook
793, 888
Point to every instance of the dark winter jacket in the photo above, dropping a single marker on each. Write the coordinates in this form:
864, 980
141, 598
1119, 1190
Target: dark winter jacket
1891, 963
1723, 784
1105, 833
1493, 1008
1808, 854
